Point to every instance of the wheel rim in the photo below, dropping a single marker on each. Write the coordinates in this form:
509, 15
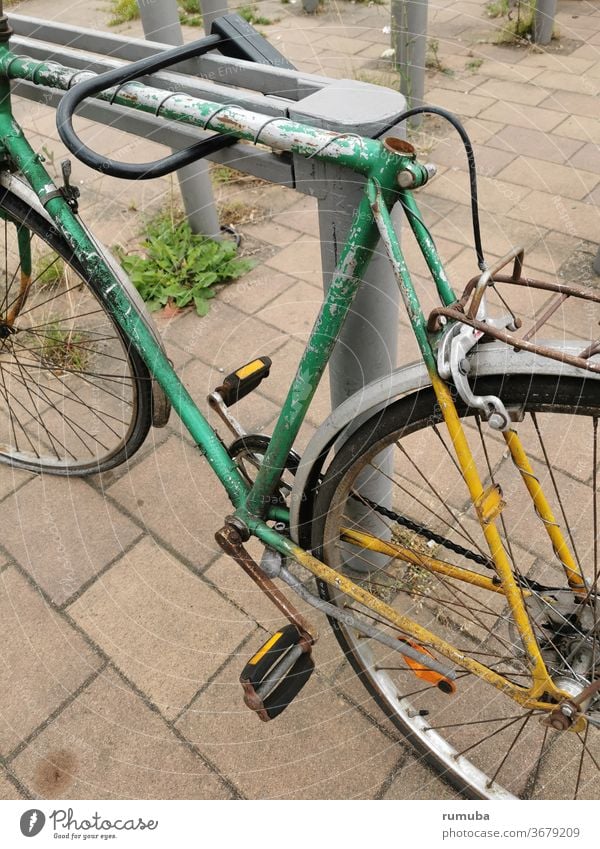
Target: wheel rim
67, 391
485, 742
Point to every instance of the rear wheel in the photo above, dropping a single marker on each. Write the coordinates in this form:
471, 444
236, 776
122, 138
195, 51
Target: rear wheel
75, 398
478, 738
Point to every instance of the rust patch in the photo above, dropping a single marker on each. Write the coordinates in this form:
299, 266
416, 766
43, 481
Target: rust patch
395, 145
55, 773
230, 122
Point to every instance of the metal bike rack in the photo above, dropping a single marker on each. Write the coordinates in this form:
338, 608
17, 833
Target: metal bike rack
367, 347
161, 23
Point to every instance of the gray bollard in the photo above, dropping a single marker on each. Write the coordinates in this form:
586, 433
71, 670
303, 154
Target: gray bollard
161, 23
596, 265
543, 22
368, 344
212, 9
409, 41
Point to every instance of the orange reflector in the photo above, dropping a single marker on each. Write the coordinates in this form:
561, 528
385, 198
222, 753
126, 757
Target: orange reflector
423, 672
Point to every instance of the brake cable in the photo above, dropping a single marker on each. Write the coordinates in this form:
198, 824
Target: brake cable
452, 119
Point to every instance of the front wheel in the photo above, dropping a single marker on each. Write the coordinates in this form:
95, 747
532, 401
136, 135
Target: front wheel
397, 477
75, 397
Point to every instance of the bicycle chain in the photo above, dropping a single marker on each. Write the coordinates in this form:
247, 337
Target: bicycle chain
423, 531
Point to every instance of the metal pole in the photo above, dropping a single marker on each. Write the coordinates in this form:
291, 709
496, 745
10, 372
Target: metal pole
409, 40
543, 23
368, 344
212, 9
596, 265
366, 349
161, 23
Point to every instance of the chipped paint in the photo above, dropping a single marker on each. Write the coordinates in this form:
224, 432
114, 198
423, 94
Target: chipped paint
363, 155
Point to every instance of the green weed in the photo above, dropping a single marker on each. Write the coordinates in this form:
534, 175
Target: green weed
497, 8
236, 212
474, 65
49, 271
520, 21
190, 13
223, 174
64, 349
180, 268
433, 60
123, 11
251, 14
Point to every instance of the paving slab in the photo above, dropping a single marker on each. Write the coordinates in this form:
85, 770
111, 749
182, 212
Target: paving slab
45, 660
77, 533
542, 209
163, 626
563, 180
7, 788
229, 339
587, 158
507, 91
533, 142
583, 128
529, 117
172, 494
108, 744
256, 289
415, 780
489, 160
461, 103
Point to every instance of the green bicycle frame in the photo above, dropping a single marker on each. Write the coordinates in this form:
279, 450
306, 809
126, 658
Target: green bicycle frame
379, 163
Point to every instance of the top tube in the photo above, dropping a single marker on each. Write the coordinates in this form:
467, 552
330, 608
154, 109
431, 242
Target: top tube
366, 156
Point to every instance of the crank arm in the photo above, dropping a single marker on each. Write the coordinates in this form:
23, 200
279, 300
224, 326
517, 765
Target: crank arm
231, 541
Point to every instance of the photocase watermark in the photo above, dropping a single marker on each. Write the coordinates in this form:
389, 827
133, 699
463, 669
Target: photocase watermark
66, 826
32, 822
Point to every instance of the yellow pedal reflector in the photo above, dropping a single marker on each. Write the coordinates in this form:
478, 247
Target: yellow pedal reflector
244, 380
424, 672
264, 649
249, 368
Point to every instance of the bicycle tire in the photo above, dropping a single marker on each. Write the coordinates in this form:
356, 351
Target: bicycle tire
567, 766
75, 396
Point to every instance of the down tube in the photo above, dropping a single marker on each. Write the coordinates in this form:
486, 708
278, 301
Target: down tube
357, 252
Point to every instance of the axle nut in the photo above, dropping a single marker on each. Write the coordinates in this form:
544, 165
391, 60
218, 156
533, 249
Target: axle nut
497, 421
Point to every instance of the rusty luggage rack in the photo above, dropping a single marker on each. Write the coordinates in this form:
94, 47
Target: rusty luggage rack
467, 309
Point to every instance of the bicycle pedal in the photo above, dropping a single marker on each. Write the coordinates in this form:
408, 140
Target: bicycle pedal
244, 380
274, 676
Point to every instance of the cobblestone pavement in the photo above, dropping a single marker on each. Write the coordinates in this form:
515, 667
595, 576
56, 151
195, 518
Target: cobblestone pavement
123, 628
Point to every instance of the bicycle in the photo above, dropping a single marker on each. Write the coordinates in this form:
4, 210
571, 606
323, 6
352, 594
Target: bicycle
467, 608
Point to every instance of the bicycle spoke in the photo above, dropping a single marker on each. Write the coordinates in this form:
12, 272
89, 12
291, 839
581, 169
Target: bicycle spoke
510, 748
437, 495
555, 488
71, 424
76, 396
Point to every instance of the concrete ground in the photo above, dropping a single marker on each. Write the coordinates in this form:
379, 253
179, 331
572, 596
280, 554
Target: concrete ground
123, 629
